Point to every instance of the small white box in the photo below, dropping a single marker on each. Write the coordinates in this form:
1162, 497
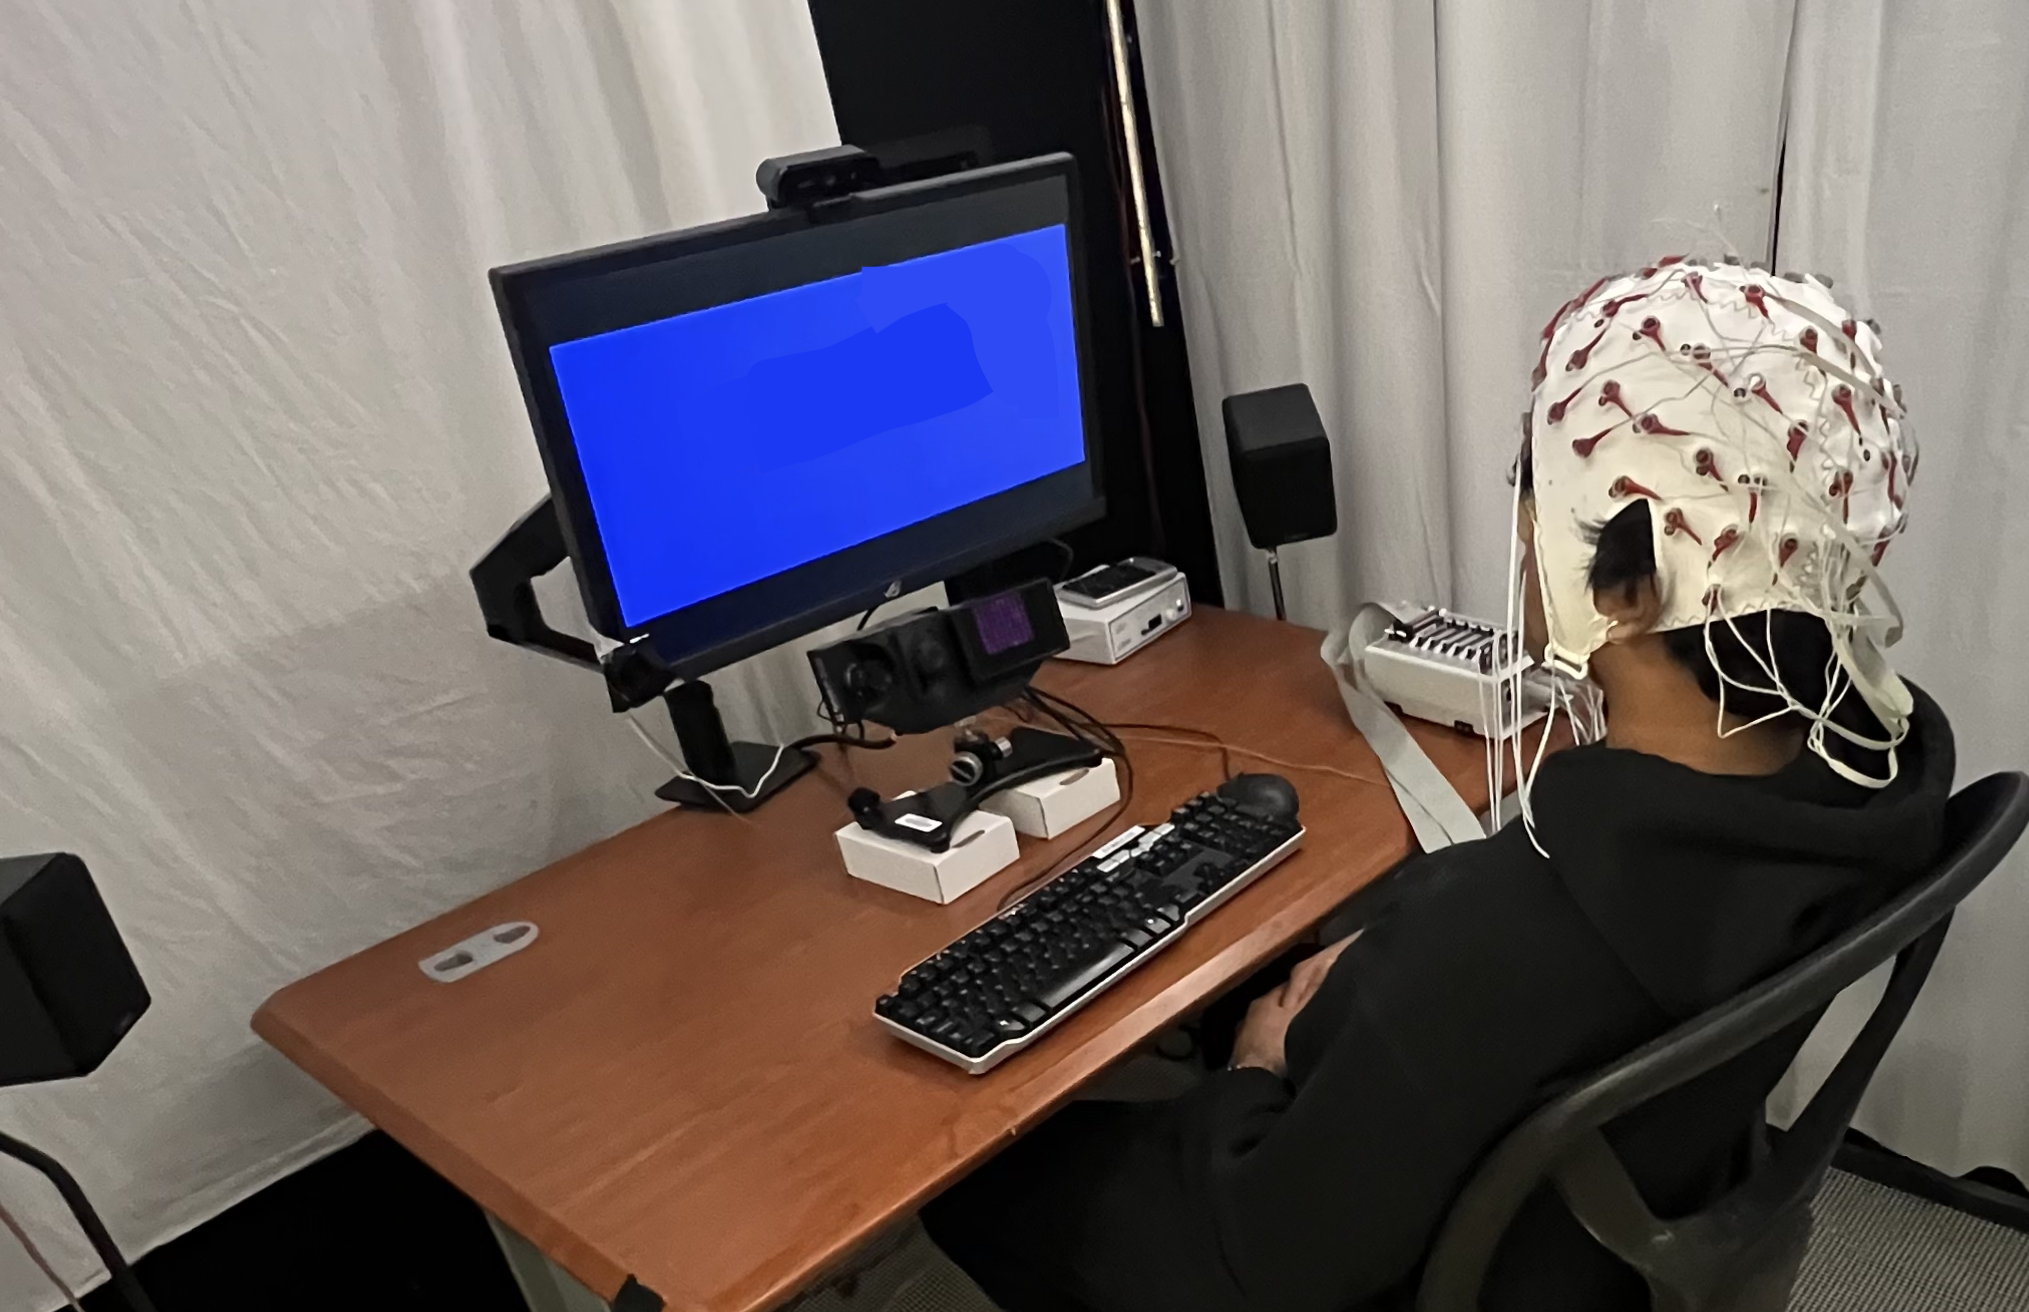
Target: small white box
982, 845
1110, 634
1045, 808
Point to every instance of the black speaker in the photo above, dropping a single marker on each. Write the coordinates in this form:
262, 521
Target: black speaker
1282, 466
69, 991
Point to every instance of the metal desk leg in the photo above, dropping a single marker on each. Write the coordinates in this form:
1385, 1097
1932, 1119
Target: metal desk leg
546, 1286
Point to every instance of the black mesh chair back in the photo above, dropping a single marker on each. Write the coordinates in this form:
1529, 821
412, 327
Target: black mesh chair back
1742, 1253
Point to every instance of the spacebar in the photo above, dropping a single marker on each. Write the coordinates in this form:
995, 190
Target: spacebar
1081, 975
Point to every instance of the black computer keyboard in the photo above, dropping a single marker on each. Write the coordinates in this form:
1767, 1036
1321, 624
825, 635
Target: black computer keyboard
1005, 984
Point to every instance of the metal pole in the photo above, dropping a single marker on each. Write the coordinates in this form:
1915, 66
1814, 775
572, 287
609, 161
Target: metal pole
1275, 582
1130, 129
87, 1219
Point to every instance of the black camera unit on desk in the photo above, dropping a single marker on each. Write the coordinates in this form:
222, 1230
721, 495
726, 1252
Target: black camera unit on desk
920, 672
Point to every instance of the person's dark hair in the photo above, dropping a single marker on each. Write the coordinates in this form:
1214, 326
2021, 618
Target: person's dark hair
1797, 646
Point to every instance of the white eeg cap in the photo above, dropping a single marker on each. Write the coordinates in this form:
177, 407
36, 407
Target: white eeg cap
1751, 411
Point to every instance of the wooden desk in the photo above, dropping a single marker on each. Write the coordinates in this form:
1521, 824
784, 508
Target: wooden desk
680, 1079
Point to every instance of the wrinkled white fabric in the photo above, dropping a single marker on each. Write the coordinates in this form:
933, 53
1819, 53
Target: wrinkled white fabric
1907, 183
1383, 200
256, 421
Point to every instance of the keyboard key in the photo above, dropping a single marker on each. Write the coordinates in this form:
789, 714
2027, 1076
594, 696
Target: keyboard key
1078, 975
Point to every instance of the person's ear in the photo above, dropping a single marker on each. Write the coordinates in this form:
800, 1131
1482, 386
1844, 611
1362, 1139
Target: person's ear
1633, 609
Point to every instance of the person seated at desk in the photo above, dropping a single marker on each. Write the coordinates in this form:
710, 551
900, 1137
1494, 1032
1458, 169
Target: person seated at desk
1710, 471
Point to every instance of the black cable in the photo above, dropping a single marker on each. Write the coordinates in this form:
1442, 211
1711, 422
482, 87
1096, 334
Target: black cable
1081, 723
1225, 748
1102, 734
1051, 712
1070, 559
843, 740
87, 1219
1023, 889
869, 615
1108, 729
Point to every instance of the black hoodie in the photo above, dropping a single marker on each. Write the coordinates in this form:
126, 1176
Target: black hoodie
1495, 977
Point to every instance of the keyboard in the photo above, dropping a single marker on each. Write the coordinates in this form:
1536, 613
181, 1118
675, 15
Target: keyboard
1007, 983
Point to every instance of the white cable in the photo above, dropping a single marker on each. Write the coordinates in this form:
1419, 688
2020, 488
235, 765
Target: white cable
1497, 741
1860, 629
652, 745
35, 1256
683, 772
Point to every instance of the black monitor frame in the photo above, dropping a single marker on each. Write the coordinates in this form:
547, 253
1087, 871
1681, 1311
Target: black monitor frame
564, 298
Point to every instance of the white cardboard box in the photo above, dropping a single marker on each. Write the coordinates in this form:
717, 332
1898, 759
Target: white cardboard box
982, 845
1045, 808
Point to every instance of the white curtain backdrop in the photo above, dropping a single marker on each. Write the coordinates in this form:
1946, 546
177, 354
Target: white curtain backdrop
1386, 199
256, 421
1907, 180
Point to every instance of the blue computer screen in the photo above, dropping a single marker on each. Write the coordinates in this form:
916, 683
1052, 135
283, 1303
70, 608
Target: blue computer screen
725, 445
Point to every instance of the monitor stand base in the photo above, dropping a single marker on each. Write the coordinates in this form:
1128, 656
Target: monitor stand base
750, 763
746, 774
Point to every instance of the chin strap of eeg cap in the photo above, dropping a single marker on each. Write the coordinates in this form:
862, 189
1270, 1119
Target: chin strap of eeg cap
1436, 812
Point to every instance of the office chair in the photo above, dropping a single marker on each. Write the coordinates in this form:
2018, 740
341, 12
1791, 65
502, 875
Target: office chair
1742, 1253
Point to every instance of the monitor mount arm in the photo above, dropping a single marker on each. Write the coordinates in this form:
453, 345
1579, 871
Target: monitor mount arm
722, 774
505, 579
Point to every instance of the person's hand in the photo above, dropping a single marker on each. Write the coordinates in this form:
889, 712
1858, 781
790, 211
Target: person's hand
1262, 1035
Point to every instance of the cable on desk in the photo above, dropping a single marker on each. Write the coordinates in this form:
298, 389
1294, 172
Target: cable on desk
1210, 740
838, 737
35, 1256
859, 741
1227, 750
683, 771
1027, 886
1263, 757
1076, 720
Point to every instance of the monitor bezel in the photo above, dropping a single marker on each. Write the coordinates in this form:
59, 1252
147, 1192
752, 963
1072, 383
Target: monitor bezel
519, 290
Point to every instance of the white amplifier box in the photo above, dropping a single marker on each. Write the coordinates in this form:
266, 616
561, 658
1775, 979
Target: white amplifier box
1110, 634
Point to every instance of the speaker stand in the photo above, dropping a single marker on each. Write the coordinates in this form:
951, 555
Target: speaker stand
87, 1219
1275, 582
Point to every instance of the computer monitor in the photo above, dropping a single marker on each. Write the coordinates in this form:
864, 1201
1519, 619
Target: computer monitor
758, 427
